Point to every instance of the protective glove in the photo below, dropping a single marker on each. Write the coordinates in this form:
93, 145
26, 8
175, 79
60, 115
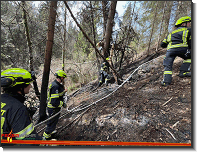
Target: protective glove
31, 111
100, 83
65, 97
64, 105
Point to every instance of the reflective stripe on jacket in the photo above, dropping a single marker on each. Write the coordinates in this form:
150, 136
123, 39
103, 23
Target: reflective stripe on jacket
15, 117
23, 133
181, 37
55, 95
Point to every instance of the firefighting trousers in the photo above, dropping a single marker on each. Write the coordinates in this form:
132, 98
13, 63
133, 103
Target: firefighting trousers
169, 59
51, 124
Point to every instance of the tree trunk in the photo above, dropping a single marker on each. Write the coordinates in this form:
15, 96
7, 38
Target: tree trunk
90, 39
109, 27
94, 34
159, 37
108, 34
167, 16
30, 49
64, 43
152, 28
47, 62
105, 15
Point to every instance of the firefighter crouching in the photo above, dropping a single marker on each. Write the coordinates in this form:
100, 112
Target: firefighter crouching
104, 73
15, 118
55, 102
178, 43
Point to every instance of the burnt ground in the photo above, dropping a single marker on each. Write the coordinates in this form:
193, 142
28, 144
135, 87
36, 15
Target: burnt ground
140, 111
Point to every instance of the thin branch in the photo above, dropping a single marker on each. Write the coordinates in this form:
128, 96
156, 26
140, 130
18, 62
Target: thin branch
89, 38
167, 101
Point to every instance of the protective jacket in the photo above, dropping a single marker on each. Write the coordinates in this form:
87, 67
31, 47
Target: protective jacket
15, 118
55, 95
179, 38
105, 65
178, 43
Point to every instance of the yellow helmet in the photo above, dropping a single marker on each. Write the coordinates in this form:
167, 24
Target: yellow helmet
15, 76
60, 73
183, 20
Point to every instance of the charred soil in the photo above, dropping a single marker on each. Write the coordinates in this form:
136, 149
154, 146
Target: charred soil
140, 111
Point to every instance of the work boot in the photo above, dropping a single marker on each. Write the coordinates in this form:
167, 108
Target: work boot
44, 138
164, 83
53, 134
55, 131
184, 74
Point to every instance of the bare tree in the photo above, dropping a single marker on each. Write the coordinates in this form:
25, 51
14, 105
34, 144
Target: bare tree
30, 49
108, 34
109, 27
159, 37
94, 33
168, 11
152, 28
105, 15
48, 54
64, 42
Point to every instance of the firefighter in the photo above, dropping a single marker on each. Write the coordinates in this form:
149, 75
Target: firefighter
104, 73
178, 43
15, 118
55, 102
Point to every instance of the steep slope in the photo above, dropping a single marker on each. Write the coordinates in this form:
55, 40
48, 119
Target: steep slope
140, 111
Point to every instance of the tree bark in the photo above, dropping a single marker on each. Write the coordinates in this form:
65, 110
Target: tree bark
108, 34
94, 34
47, 62
105, 15
159, 37
168, 11
64, 43
30, 49
109, 27
152, 29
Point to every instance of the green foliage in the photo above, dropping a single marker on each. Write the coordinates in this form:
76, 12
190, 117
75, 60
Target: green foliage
133, 30
82, 44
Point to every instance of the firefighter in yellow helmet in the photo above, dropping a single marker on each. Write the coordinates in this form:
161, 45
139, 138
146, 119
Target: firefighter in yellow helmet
178, 43
55, 102
15, 117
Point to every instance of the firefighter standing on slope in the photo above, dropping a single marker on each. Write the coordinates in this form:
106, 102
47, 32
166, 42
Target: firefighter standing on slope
55, 102
178, 43
15, 117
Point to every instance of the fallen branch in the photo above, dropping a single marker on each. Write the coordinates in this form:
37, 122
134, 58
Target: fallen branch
175, 124
170, 133
73, 120
167, 101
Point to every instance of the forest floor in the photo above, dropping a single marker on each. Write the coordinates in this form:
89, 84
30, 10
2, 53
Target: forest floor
140, 111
